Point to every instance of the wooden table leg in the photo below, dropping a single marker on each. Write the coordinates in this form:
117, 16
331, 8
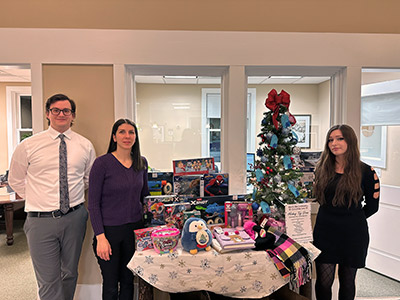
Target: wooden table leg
9, 217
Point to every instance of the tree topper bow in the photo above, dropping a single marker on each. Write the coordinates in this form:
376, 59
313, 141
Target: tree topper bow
273, 102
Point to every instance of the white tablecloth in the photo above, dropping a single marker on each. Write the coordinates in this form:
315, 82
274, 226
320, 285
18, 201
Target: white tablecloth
242, 274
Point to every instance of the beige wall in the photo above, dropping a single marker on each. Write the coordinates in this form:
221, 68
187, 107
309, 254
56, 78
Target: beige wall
3, 124
306, 99
91, 87
359, 16
155, 107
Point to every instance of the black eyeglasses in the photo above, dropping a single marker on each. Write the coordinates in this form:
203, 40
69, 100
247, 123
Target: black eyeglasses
56, 111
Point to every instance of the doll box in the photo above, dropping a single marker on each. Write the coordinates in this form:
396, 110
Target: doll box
143, 238
237, 213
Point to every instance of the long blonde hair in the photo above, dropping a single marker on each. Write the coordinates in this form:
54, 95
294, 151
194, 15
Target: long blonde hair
349, 186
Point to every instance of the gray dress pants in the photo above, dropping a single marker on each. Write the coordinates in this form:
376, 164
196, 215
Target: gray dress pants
55, 246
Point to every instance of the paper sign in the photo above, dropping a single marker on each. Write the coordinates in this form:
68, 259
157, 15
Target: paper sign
298, 222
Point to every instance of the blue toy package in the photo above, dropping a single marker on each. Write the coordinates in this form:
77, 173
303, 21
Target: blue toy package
188, 185
153, 209
160, 183
216, 184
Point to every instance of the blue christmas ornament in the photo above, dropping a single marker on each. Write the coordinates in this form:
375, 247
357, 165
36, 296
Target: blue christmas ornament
287, 162
264, 121
259, 175
255, 206
265, 207
259, 152
274, 141
264, 159
294, 191
254, 195
295, 136
285, 121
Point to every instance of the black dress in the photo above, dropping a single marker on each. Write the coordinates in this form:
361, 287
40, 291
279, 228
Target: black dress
341, 233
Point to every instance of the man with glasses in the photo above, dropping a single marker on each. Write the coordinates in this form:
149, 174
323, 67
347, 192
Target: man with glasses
50, 170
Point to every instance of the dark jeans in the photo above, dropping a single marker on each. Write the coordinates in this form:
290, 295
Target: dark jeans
117, 278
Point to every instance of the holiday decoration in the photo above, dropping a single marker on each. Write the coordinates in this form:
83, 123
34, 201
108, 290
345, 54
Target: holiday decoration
276, 173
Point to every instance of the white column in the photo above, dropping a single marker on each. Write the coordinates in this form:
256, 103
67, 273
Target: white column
352, 105
37, 97
123, 105
233, 128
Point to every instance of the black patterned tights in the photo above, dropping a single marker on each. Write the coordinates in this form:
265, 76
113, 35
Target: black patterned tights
326, 276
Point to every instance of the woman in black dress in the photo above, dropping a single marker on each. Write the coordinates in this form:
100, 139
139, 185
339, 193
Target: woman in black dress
348, 193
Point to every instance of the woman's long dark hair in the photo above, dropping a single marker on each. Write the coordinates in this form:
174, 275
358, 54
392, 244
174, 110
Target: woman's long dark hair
349, 187
137, 160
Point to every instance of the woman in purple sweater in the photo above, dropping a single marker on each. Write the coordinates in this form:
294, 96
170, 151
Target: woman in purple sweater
117, 186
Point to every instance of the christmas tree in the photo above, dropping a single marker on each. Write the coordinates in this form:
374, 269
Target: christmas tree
276, 176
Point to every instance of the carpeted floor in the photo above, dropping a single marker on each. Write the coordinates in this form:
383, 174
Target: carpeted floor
18, 279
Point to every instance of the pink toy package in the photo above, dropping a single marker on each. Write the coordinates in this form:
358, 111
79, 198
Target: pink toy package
143, 237
237, 213
165, 240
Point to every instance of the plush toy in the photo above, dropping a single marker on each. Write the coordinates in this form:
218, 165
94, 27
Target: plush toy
196, 236
264, 239
248, 227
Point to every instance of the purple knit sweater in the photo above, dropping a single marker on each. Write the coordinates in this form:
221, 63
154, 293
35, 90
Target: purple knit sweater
115, 193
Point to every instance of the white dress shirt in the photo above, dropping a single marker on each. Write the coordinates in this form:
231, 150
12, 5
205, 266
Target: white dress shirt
34, 169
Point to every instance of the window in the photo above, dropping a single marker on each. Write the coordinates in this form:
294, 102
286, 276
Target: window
19, 115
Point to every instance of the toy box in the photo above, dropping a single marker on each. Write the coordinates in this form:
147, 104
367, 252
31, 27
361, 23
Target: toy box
215, 184
160, 183
143, 238
153, 209
188, 185
237, 213
173, 214
193, 166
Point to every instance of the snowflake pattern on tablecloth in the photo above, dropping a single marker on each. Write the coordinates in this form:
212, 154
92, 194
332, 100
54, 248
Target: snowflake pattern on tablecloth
173, 275
257, 286
162, 266
189, 271
255, 262
153, 279
229, 258
182, 263
247, 255
247, 276
219, 271
238, 267
272, 289
182, 283
224, 289
209, 284
243, 289
149, 260
139, 270
215, 253
172, 255
205, 264
273, 276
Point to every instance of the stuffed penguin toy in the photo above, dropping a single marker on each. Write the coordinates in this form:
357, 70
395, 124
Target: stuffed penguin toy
264, 239
196, 236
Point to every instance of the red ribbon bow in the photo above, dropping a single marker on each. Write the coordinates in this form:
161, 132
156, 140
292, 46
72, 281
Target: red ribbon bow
273, 102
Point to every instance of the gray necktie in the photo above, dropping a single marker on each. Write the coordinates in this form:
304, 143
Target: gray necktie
64, 194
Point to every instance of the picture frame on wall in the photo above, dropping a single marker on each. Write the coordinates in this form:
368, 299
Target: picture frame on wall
302, 128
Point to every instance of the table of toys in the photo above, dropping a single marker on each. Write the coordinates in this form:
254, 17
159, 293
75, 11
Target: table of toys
193, 263
197, 237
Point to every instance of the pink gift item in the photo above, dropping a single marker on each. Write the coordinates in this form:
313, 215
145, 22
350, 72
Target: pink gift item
165, 240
